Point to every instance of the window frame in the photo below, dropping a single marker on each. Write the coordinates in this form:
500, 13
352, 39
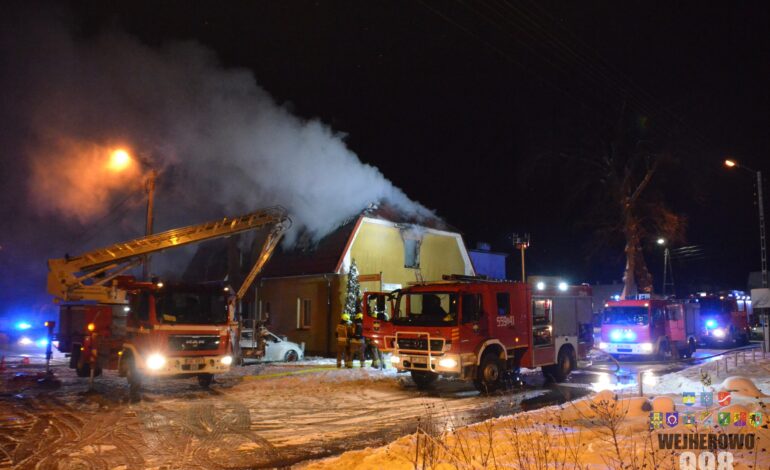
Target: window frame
304, 313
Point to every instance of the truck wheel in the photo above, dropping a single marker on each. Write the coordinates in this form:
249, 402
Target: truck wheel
689, 350
204, 380
75, 356
489, 373
134, 378
664, 353
423, 380
81, 370
565, 363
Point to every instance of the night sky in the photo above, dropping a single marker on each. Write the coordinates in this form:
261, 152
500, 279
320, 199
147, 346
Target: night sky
460, 103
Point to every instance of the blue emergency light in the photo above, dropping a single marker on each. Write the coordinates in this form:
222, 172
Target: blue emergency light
711, 323
22, 325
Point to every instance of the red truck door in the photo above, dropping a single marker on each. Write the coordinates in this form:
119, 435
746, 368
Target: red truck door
474, 320
675, 323
543, 348
378, 315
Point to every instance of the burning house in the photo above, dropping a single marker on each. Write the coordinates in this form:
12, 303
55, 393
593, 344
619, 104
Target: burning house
301, 293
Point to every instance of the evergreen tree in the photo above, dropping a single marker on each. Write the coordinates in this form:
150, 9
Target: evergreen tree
353, 291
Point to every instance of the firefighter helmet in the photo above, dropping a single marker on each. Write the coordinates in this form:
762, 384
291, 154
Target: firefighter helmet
359, 316
345, 317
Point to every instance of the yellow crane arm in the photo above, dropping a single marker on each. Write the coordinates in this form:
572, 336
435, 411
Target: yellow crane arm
89, 276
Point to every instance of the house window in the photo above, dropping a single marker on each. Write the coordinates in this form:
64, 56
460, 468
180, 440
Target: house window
304, 314
411, 253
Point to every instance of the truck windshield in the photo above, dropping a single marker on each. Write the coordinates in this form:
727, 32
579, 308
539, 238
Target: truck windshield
200, 308
625, 316
713, 307
426, 309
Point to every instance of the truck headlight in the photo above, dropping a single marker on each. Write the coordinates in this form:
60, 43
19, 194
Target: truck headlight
447, 363
603, 345
646, 347
227, 360
155, 361
395, 359
719, 332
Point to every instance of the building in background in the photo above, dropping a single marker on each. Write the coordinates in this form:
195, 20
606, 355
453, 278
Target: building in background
487, 262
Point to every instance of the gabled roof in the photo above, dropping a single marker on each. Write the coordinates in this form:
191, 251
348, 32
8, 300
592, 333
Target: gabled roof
322, 258
326, 255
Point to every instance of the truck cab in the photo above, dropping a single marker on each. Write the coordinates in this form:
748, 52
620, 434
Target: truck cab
480, 330
171, 330
659, 328
724, 319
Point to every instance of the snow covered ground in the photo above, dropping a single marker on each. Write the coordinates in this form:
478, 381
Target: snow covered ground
608, 430
259, 416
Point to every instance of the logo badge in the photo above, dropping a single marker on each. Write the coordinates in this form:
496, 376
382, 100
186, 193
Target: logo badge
656, 420
739, 418
688, 419
755, 419
706, 398
672, 419
688, 398
723, 398
724, 418
707, 418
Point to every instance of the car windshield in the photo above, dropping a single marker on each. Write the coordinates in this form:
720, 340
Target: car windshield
426, 309
625, 316
191, 307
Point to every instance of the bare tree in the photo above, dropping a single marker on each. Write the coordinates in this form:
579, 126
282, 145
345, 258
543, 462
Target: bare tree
616, 171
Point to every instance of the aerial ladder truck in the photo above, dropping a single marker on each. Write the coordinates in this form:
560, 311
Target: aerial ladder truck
141, 328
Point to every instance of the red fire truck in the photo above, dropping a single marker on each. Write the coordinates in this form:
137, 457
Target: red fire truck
111, 321
724, 318
661, 328
481, 330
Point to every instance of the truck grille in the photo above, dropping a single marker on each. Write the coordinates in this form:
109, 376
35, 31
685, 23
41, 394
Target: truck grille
193, 343
416, 344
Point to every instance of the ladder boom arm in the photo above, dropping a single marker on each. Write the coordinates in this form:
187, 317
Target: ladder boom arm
65, 282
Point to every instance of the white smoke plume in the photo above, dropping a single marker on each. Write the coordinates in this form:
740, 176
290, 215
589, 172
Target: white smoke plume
222, 144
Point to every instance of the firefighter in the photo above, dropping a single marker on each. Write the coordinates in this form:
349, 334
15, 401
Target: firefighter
343, 341
377, 360
357, 343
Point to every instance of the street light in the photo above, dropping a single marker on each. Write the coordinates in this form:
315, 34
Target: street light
762, 247
120, 160
760, 203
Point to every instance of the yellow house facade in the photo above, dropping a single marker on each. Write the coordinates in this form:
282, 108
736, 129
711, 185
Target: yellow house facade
302, 292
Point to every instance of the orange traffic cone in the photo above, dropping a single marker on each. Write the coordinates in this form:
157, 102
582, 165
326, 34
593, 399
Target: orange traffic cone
25, 360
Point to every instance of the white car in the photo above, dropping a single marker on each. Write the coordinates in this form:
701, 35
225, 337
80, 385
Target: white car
277, 348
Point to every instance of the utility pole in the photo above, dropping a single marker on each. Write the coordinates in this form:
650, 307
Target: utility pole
522, 243
150, 187
762, 246
763, 258
668, 272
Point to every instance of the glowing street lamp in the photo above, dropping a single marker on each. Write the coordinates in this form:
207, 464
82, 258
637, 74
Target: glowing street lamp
763, 251
120, 160
762, 247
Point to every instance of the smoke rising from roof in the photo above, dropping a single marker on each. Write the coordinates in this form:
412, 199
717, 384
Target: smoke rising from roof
222, 144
